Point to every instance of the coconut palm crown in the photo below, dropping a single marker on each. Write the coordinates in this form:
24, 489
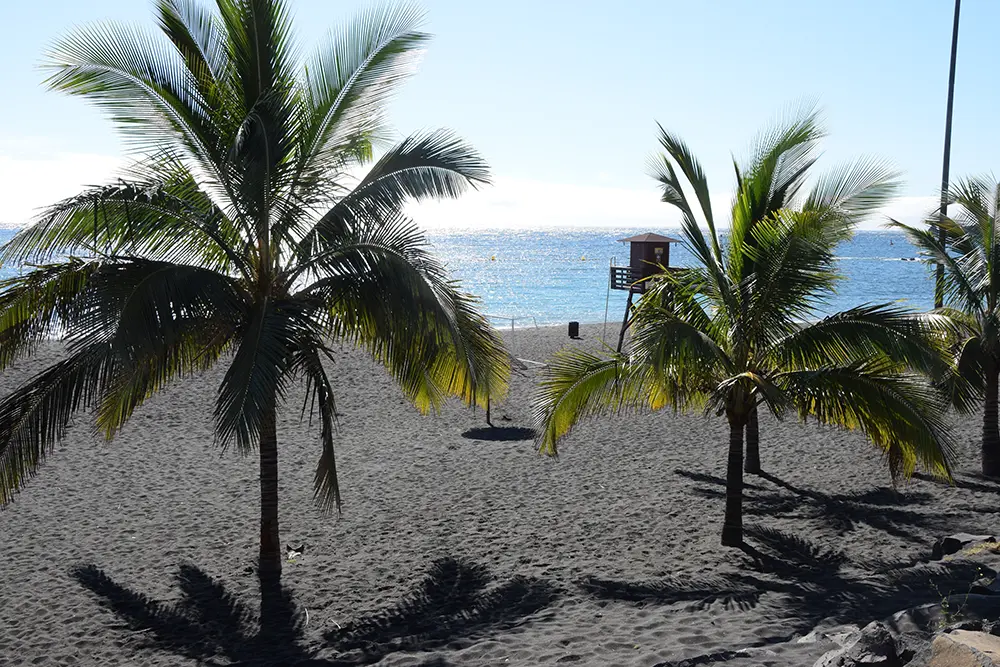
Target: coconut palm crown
970, 257
770, 180
732, 333
239, 237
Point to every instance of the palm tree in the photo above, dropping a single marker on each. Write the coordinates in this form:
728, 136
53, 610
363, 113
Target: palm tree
766, 183
970, 256
725, 340
239, 237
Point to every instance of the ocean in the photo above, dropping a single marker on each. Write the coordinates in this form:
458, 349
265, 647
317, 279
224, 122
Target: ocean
555, 276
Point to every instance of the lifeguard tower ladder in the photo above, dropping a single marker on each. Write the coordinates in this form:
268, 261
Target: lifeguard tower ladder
647, 254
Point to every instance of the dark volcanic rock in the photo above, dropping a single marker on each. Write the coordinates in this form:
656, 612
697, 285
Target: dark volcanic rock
874, 646
955, 543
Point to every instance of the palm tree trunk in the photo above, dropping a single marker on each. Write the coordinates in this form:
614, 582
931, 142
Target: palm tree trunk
946, 163
991, 433
752, 464
732, 525
269, 565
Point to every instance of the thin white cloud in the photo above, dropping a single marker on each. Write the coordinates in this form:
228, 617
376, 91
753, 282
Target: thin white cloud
911, 210
516, 203
35, 177
33, 182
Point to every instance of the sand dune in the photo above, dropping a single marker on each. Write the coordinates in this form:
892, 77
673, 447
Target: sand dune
455, 550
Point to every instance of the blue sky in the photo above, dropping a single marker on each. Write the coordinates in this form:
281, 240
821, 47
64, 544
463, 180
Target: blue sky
562, 97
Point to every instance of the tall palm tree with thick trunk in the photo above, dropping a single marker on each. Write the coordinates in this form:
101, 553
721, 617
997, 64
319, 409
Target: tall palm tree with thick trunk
723, 339
240, 237
970, 258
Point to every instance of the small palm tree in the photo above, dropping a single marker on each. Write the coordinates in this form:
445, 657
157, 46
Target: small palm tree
970, 258
238, 237
722, 339
766, 183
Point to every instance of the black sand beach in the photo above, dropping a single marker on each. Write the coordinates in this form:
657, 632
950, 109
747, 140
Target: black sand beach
454, 550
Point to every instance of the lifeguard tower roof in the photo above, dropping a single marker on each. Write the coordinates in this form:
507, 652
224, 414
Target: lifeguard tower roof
649, 238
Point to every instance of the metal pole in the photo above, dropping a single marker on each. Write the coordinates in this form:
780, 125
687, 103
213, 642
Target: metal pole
939, 272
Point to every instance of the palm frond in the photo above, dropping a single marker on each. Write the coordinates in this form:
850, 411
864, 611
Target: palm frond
142, 83
979, 241
865, 332
677, 341
695, 175
351, 77
159, 319
780, 151
169, 321
854, 190
168, 221
138, 377
258, 375
899, 413
959, 289
707, 251
578, 384
319, 392
385, 293
794, 271
429, 165
780, 160
688, 295
38, 415
661, 169
263, 52
39, 304
198, 36
965, 386
432, 165
757, 385
976, 196
679, 152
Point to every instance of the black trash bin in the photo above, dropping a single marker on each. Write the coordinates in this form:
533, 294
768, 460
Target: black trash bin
574, 329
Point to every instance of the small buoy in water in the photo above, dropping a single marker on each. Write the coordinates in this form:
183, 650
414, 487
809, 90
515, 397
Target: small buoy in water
493, 258
583, 258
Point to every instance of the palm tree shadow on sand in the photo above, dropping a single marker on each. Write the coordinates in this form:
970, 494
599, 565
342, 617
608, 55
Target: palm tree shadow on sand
882, 508
454, 600
800, 582
965, 480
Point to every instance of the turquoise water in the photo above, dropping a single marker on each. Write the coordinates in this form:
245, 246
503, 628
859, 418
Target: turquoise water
557, 276
554, 276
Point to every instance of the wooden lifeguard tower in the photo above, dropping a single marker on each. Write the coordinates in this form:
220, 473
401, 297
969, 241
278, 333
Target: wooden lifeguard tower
649, 255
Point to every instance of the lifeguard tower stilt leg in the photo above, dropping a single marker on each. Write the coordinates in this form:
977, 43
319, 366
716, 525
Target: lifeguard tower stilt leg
628, 309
